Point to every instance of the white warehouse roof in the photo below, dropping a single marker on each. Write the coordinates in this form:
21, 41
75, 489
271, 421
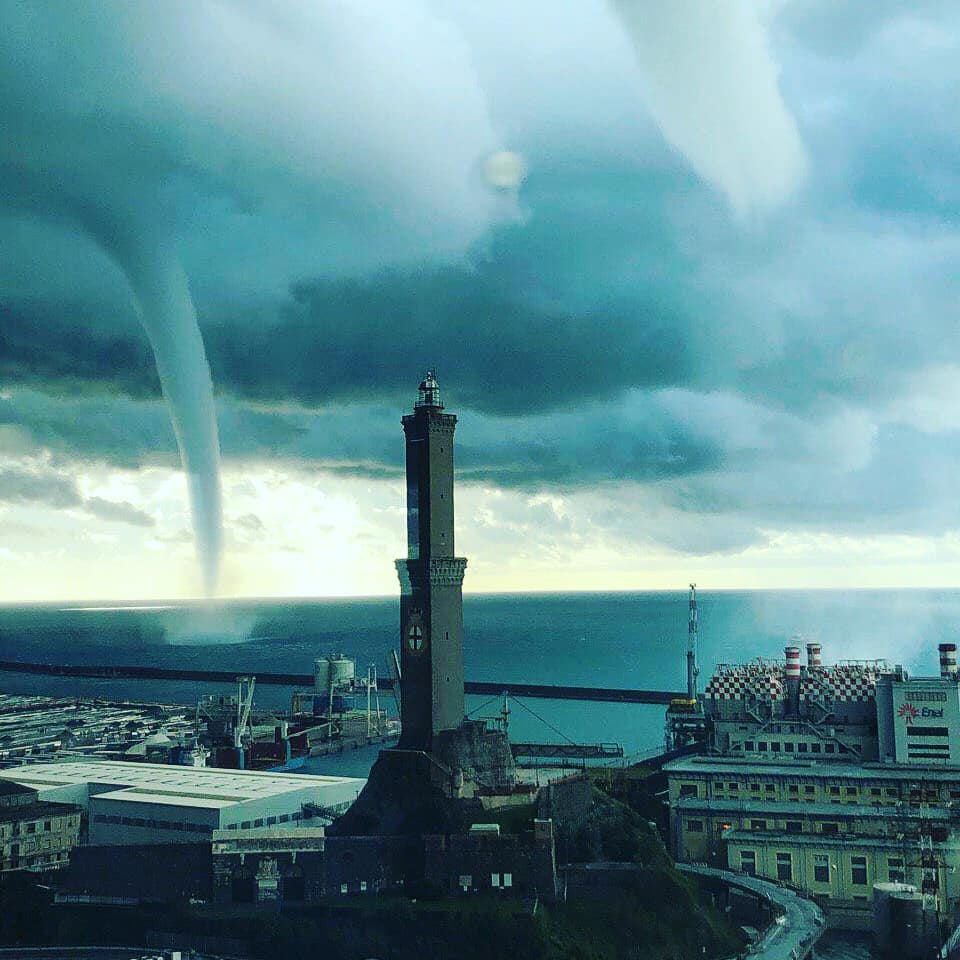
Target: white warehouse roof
161, 803
205, 785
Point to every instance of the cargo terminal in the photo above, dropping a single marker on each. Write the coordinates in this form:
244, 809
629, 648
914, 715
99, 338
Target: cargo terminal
830, 778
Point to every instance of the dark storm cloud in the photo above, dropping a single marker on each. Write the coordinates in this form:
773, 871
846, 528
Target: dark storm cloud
618, 326
64, 345
118, 511
25, 486
44, 487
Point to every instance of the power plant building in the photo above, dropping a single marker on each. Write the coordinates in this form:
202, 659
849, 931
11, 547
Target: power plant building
143, 803
829, 778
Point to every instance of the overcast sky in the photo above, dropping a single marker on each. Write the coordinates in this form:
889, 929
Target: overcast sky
711, 334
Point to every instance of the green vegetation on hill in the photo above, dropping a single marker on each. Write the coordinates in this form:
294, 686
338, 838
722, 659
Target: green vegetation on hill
612, 831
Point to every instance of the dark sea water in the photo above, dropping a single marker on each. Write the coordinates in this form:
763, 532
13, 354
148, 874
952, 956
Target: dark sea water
624, 639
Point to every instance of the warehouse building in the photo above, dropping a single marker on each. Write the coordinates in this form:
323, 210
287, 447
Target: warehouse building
144, 803
831, 779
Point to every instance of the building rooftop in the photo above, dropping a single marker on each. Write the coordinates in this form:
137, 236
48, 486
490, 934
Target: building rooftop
36, 811
163, 783
820, 840
837, 769
265, 839
170, 799
10, 789
290, 832
788, 809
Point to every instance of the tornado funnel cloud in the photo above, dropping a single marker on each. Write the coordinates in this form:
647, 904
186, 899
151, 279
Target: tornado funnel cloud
712, 87
147, 257
170, 321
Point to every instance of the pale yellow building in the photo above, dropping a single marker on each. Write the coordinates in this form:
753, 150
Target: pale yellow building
35, 835
832, 829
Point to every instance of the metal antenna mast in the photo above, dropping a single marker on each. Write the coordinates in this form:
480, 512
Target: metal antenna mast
693, 671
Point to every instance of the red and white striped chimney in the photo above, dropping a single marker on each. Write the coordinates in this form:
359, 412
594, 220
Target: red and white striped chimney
813, 655
792, 676
793, 663
948, 661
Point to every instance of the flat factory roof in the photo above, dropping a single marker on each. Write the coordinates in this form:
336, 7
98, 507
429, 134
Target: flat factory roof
156, 782
838, 770
799, 809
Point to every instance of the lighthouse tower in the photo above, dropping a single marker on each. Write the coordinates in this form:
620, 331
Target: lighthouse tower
443, 758
431, 579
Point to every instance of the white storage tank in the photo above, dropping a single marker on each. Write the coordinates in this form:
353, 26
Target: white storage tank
342, 670
321, 674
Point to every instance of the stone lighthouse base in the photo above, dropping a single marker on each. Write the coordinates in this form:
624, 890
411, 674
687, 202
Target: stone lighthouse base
411, 792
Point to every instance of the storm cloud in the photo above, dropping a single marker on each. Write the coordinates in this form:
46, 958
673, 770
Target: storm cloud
39, 485
717, 316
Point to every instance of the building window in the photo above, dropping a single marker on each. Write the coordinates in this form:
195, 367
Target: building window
830, 828
755, 786
508, 879
494, 879
801, 748
748, 862
733, 787
895, 872
809, 789
794, 826
784, 867
688, 790
748, 745
343, 888
363, 886
891, 791
858, 871
814, 747
694, 826
758, 824
875, 792
850, 791
834, 791
775, 747
794, 789
465, 881
788, 747
769, 787
829, 748
762, 746
821, 868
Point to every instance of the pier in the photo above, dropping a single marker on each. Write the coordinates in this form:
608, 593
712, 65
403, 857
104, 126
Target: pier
480, 687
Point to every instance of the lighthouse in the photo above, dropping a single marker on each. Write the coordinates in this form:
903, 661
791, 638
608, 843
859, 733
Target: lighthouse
443, 758
431, 579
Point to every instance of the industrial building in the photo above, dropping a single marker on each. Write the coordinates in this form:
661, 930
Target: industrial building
143, 803
42, 727
287, 865
829, 778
